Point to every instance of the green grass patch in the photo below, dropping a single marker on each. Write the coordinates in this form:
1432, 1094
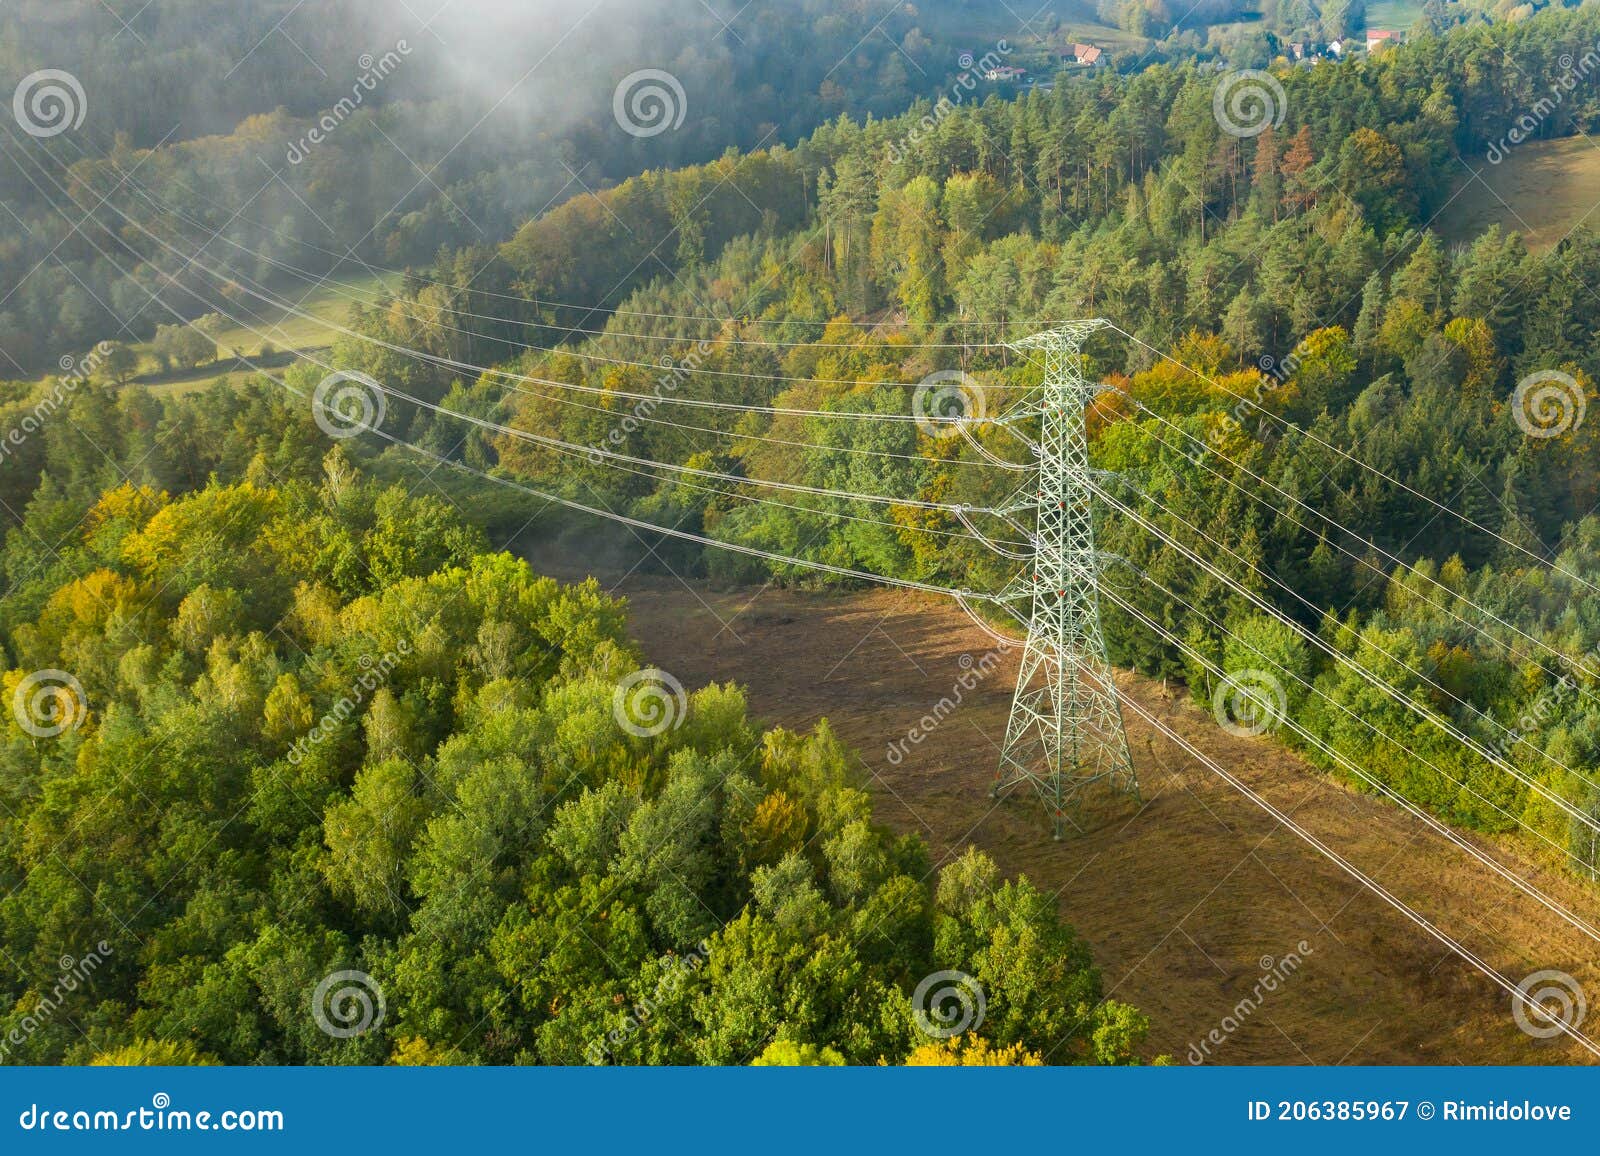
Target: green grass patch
1398, 15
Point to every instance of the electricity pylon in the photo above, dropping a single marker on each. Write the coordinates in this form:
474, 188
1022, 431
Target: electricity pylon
1065, 731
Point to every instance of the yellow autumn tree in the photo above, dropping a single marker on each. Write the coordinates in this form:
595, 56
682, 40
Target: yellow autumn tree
970, 1051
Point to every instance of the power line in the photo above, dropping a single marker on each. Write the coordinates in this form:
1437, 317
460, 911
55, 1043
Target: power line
641, 524
637, 523
569, 330
1360, 876
556, 443
1341, 530
1374, 680
1419, 675
1440, 506
673, 370
384, 271
962, 596
1283, 716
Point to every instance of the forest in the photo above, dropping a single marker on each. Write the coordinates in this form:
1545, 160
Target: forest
1308, 245
306, 715
327, 727
393, 176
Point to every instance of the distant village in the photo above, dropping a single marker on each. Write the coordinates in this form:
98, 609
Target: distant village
1088, 57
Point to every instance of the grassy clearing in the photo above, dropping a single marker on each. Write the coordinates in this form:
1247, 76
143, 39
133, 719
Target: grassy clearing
1542, 189
283, 330
328, 306
1398, 15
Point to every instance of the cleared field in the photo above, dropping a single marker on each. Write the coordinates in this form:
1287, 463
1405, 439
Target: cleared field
1184, 900
329, 305
1542, 189
284, 331
1397, 15
1113, 40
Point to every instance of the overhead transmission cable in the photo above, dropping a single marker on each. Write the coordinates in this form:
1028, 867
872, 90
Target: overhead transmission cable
637, 523
1381, 685
421, 313
1340, 531
385, 272
1356, 873
1281, 817
1336, 756
1398, 661
660, 399
559, 444
1384, 894
1346, 455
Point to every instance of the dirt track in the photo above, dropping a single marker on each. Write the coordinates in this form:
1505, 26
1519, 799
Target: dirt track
1183, 899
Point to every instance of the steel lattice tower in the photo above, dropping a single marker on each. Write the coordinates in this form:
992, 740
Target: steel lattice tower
1066, 729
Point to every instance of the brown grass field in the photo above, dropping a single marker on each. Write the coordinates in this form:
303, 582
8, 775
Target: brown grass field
1184, 898
1542, 189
